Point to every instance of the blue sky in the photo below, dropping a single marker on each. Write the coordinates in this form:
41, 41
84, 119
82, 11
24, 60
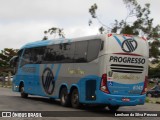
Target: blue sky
23, 21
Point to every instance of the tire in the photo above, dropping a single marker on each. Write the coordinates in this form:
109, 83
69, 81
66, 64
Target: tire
75, 99
23, 94
64, 97
113, 108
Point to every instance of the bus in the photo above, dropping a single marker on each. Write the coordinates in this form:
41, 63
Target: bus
102, 70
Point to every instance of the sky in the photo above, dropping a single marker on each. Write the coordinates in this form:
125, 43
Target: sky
23, 21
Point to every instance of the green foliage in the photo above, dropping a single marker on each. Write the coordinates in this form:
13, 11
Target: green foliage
154, 72
154, 51
142, 25
54, 31
5, 56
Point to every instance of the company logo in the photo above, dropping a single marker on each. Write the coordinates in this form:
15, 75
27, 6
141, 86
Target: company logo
6, 114
129, 45
48, 82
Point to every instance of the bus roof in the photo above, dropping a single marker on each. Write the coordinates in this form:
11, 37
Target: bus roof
57, 41
66, 40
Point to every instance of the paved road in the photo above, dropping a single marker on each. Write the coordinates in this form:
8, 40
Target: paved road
11, 101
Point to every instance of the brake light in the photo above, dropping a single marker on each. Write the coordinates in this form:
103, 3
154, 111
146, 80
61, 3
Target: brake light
104, 87
109, 35
145, 86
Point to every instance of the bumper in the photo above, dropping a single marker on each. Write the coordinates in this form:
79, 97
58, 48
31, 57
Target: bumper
110, 99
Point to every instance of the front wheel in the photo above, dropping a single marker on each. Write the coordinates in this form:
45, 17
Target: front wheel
23, 94
113, 108
75, 99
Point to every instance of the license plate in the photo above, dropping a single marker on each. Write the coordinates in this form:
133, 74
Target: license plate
125, 99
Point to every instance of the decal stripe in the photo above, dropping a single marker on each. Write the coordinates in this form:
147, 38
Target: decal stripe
57, 72
126, 71
120, 65
52, 66
118, 40
124, 38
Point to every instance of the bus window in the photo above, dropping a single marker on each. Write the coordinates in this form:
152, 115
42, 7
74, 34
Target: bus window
26, 57
80, 54
93, 49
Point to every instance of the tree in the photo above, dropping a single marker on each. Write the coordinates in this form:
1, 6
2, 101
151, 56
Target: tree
142, 25
54, 31
5, 56
154, 51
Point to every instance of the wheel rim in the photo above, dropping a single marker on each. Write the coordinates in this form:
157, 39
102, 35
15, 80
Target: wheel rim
64, 98
75, 98
22, 89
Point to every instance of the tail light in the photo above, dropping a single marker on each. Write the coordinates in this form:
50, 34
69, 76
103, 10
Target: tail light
145, 86
104, 87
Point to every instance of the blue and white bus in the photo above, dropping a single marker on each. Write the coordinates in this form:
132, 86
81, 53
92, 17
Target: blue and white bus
106, 70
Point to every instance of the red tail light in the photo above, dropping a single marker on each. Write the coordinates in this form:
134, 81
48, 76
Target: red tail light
104, 87
145, 86
109, 35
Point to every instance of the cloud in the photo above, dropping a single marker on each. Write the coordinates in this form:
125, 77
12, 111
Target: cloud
23, 21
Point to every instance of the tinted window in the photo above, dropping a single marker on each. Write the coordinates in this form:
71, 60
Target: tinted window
93, 49
76, 52
80, 54
37, 55
68, 52
26, 57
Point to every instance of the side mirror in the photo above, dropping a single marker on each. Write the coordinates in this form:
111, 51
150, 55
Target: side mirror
13, 61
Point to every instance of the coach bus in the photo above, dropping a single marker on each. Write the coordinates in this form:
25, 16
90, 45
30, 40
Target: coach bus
102, 70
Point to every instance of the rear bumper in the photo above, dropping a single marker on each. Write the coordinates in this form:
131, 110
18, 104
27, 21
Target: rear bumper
117, 99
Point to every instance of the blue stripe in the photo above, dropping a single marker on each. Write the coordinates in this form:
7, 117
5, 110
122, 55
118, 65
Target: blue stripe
52, 66
57, 72
118, 40
124, 37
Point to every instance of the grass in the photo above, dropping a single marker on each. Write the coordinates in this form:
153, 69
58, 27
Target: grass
150, 85
152, 100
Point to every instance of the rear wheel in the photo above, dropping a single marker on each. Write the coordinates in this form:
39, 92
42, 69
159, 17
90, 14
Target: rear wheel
75, 99
113, 108
23, 94
64, 97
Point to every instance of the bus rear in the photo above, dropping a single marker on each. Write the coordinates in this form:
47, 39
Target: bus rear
125, 80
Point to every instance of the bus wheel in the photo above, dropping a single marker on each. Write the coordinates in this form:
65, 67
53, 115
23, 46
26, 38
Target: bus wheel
23, 94
64, 97
75, 99
113, 108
